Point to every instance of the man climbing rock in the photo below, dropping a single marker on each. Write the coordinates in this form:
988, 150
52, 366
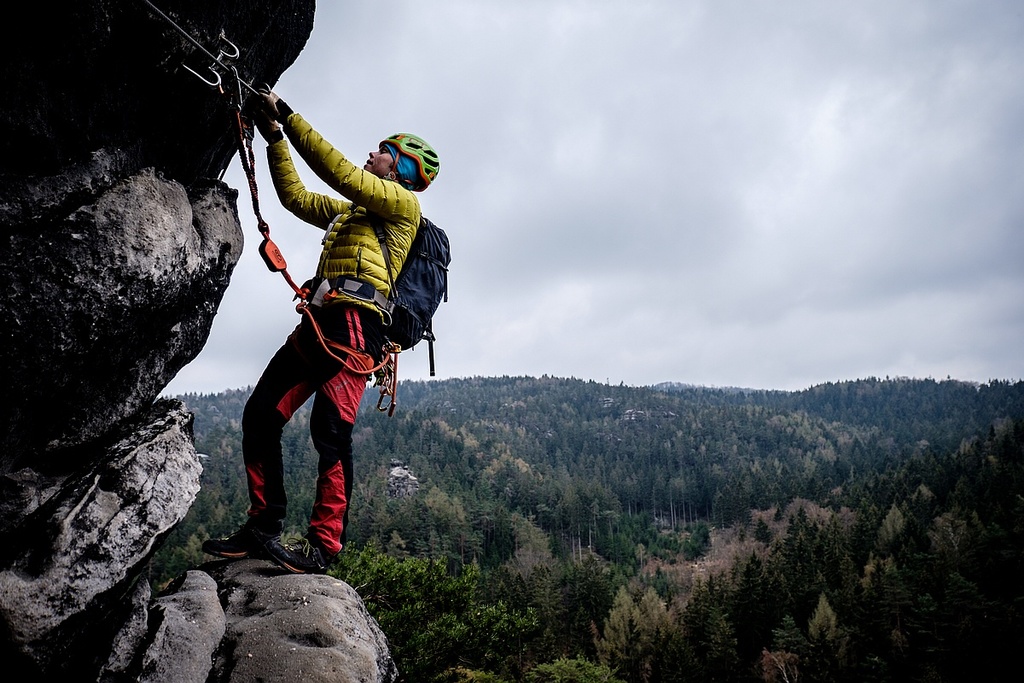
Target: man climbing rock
341, 339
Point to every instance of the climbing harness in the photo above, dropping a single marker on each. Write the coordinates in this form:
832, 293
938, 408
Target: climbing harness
385, 373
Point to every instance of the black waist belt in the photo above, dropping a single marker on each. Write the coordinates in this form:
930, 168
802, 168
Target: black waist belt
363, 291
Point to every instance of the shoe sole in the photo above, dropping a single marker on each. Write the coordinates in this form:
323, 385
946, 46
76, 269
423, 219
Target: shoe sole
241, 554
294, 570
229, 556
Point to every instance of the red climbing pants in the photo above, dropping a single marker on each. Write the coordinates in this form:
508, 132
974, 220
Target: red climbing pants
302, 368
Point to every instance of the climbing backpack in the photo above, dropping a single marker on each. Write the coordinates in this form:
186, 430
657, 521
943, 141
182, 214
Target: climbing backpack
420, 287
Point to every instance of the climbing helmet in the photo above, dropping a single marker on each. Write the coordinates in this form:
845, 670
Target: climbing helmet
419, 151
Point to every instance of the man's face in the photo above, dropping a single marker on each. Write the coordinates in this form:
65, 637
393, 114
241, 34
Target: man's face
380, 163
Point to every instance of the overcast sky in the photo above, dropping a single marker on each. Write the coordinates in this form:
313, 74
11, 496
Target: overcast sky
766, 194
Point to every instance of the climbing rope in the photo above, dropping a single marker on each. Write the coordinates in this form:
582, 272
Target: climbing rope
269, 251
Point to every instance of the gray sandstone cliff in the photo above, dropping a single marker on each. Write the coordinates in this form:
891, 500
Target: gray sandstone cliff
119, 241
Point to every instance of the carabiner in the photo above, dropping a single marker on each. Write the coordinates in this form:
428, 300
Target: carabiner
389, 408
233, 54
215, 82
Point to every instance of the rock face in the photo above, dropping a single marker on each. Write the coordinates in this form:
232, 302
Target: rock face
118, 244
244, 621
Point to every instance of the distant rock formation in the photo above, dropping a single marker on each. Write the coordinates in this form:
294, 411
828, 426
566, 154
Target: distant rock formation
401, 481
119, 242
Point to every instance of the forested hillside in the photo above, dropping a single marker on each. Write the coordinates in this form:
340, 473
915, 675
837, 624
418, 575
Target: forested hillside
570, 530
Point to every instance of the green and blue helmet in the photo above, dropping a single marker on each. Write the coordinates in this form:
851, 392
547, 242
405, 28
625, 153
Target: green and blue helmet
423, 170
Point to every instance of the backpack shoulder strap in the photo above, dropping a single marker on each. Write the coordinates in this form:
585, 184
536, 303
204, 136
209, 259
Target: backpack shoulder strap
378, 228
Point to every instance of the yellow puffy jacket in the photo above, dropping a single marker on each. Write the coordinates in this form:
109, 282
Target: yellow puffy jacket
350, 248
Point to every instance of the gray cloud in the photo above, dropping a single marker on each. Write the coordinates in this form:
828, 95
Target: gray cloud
724, 193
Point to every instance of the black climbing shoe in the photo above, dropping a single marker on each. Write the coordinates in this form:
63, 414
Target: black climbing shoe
300, 556
246, 542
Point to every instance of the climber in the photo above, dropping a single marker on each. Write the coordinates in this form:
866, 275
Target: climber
345, 301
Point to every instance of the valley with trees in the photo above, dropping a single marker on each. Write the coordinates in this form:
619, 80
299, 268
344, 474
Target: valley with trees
572, 531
